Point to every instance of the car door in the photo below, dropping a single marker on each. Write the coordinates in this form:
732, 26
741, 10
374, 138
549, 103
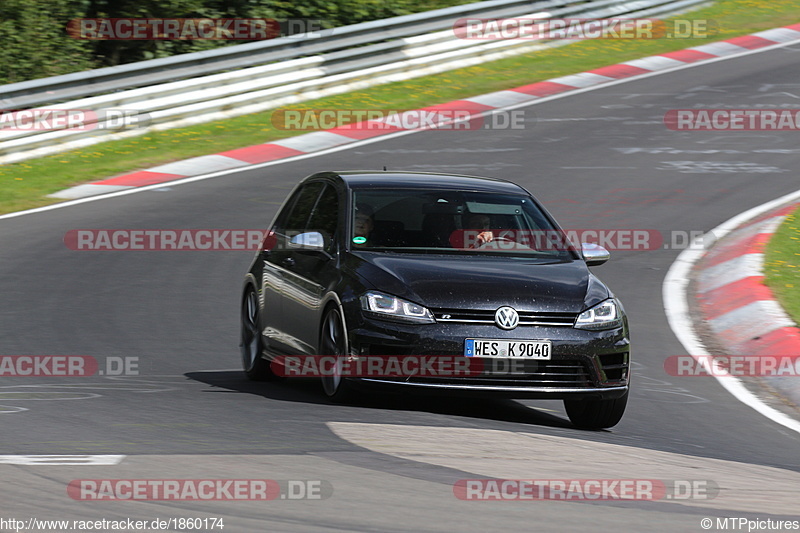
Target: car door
309, 273
276, 260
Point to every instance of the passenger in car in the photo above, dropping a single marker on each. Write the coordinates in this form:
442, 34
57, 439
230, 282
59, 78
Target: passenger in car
363, 224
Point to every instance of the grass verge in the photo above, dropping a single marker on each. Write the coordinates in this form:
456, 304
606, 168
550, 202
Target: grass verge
24, 185
782, 265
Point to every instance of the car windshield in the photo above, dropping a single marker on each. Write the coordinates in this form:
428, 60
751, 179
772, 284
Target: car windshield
419, 220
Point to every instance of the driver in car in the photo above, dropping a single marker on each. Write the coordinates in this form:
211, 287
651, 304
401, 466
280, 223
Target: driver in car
482, 223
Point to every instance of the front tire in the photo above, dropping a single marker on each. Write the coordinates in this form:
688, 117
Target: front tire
255, 366
596, 414
333, 341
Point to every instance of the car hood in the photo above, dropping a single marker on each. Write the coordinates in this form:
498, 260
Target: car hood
485, 283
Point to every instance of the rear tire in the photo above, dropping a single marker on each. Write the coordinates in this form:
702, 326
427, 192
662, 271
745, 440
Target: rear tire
333, 341
255, 366
596, 414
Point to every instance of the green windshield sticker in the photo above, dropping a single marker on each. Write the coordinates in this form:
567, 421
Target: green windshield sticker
359, 240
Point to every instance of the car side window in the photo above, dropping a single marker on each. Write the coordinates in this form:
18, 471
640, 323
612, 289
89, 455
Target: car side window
294, 215
300, 211
325, 216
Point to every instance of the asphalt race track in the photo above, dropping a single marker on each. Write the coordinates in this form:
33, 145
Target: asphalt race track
600, 159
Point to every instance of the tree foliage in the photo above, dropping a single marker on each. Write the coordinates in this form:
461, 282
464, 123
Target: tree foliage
34, 42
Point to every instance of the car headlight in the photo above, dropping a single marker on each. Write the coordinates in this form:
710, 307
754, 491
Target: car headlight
605, 315
386, 306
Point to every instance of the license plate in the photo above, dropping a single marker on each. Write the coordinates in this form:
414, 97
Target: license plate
507, 348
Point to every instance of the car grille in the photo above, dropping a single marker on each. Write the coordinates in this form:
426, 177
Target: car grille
551, 374
526, 318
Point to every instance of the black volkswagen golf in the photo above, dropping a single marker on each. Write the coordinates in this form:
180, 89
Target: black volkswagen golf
470, 270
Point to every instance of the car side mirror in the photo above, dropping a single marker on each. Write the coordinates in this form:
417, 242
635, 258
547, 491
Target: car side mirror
594, 254
311, 240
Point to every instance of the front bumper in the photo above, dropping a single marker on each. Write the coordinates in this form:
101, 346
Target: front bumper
583, 364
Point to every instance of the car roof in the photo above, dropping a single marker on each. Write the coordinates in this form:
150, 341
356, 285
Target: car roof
376, 179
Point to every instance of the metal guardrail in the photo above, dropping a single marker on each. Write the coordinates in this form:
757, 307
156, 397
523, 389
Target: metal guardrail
220, 83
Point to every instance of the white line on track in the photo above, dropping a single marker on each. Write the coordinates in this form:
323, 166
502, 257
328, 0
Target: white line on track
61, 460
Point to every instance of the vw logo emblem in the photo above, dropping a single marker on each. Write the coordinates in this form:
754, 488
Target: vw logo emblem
506, 318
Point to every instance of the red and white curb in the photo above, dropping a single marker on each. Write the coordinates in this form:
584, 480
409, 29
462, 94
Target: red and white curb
322, 140
734, 301
730, 297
